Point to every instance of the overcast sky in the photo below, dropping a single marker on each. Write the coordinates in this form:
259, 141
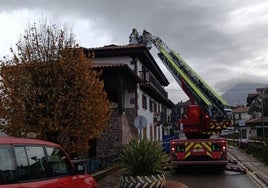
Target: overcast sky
225, 42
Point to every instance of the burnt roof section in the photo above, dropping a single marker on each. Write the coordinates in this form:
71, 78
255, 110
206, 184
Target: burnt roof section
133, 51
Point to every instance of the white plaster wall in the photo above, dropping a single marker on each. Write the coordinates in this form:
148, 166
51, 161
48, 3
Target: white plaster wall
123, 59
245, 116
128, 97
157, 132
144, 112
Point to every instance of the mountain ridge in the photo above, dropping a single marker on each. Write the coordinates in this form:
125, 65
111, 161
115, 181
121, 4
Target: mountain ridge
237, 95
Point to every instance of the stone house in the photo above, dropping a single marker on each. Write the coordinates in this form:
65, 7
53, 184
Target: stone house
135, 86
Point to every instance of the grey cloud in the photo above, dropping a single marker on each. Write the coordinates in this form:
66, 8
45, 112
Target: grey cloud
201, 31
224, 85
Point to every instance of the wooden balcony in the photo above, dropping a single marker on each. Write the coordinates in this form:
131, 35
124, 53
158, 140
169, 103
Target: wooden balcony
152, 86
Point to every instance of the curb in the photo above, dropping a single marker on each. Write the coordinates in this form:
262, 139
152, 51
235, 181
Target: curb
250, 171
100, 175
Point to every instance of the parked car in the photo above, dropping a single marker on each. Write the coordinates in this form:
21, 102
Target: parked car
32, 163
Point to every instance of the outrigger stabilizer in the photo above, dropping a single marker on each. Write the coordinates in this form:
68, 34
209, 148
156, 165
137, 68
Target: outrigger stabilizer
233, 166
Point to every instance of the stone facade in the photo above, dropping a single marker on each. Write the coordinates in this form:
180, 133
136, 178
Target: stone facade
119, 132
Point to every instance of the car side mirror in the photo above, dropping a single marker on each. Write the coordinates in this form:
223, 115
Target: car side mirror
79, 168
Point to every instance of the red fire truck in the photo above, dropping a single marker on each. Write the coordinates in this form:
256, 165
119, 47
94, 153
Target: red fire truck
207, 115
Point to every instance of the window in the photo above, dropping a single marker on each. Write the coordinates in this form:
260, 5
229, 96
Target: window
155, 107
145, 74
244, 133
31, 162
37, 161
144, 101
7, 167
150, 105
58, 161
22, 164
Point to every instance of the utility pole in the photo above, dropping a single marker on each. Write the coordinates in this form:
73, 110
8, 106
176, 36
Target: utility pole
262, 122
261, 92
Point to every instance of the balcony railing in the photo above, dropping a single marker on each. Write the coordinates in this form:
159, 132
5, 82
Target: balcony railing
161, 117
98, 163
151, 82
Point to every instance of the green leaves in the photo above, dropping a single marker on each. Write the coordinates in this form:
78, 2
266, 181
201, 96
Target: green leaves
143, 157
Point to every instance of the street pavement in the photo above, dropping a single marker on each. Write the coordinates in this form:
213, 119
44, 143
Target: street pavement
255, 169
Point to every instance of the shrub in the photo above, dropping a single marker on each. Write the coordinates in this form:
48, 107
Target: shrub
143, 158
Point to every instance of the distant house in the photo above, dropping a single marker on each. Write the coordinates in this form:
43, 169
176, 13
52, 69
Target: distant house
135, 86
256, 127
259, 122
177, 112
240, 115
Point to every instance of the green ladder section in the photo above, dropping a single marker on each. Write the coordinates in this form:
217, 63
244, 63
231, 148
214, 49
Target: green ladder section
203, 94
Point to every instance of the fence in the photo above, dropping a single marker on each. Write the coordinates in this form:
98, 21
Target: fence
98, 163
258, 150
255, 148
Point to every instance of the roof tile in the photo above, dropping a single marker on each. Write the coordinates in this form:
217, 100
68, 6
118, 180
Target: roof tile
113, 46
102, 65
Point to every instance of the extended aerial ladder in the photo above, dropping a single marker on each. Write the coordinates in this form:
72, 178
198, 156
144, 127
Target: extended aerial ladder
208, 113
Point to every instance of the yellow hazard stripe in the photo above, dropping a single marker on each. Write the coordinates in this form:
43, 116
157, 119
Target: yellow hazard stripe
219, 125
191, 145
188, 148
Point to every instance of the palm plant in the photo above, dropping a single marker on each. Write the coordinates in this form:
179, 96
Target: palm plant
143, 158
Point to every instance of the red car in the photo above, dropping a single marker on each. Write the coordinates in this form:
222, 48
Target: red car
32, 163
